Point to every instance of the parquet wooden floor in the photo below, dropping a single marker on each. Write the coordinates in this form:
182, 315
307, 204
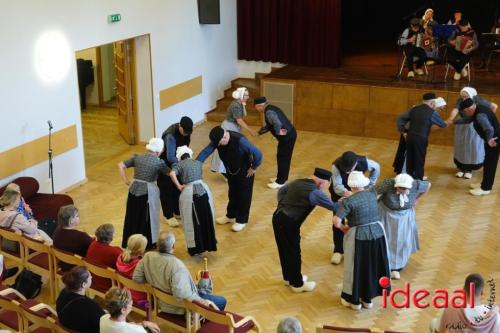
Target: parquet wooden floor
458, 232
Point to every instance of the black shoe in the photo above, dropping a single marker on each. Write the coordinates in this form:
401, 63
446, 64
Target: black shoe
10, 272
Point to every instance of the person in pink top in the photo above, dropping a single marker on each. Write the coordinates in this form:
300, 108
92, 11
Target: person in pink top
128, 260
100, 252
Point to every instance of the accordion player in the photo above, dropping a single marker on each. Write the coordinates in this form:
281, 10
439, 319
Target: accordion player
424, 41
463, 44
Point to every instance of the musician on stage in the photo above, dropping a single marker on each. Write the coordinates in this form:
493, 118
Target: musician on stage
457, 16
409, 40
489, 43
461, 44
427, 23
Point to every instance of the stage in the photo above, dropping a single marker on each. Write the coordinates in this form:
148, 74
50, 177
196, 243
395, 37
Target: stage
364, 96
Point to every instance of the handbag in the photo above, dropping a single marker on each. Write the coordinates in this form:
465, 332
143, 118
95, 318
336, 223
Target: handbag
47, 225
8, 244
28, 283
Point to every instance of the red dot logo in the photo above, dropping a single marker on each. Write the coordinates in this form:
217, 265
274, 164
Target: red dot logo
384, 282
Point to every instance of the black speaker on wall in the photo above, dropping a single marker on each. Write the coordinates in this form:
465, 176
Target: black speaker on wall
209, 11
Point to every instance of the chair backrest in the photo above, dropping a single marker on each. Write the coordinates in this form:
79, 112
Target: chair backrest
15, 307
101, 271
66, 257
13, 236
37, 315
130, 284
339, 329
160, 295
220, 317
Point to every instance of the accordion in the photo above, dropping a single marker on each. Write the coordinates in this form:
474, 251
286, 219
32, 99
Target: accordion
463, 43
424, 41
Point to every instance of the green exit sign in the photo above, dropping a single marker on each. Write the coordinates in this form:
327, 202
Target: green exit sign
114, 18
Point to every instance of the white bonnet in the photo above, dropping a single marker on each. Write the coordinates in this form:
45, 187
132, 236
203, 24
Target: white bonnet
155, 145
183, 150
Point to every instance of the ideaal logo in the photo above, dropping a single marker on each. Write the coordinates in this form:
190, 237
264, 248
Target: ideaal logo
441, 298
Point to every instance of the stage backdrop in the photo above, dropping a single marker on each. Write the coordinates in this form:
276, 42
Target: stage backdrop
299, 32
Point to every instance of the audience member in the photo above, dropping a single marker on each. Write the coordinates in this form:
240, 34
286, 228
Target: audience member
118, 304
289, 325
75, 310
128, 260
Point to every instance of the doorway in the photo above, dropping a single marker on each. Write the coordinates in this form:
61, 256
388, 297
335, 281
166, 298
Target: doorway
116, 97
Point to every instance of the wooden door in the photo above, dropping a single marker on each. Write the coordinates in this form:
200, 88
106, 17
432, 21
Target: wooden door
124, 101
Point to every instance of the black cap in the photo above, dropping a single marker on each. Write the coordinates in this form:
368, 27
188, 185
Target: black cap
348, 160
463, 22
429, 96
415, 21
216, 135
187, 125
466, 103
260, 100
322, 174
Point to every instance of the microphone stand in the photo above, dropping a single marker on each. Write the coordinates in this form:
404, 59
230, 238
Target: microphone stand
51, 169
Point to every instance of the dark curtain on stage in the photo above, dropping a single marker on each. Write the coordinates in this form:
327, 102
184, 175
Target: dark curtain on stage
299, 32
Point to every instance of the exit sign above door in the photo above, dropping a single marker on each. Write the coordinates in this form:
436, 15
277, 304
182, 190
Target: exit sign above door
114, 18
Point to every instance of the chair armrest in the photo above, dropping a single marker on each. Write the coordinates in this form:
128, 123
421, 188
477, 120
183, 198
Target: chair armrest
40, 306
242, 321
8, 291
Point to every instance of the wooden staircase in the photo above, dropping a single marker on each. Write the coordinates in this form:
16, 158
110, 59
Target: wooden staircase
253, 85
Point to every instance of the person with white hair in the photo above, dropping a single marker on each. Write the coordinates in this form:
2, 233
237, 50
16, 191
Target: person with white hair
176, 135
143, 203
398, 197
468, 153
289, 325
365, 247
235, 113
420, 118
163, 270
195, 202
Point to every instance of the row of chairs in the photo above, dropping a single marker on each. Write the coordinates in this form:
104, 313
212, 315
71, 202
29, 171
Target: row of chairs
338, 329
45, 259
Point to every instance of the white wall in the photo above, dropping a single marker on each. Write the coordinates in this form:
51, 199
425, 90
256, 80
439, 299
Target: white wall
181, 49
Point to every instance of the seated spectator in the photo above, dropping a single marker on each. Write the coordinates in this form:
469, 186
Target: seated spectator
289, 325
100, 252
162, 270
12, 219
128, 260
66, 237
23, 207
75, 310
482, 318
118, 304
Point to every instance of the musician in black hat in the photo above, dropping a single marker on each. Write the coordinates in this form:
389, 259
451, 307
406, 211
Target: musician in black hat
176, 135
296, 200
282, 129
486, 125
408, 40
241, 159
461, 44
420, 119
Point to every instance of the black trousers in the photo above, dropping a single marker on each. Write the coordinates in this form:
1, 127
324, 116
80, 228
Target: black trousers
287, 236
490, 166
169, 196
416, 149
284, 156
399, 159
457, 59
412, 51
338, 235
239, 195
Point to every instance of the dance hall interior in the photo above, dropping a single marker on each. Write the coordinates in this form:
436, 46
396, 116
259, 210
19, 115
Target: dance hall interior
96, 94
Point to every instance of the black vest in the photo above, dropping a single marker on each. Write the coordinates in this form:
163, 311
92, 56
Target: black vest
285, 123
420, 120
296, 203
230, 154
480, 109
361, 165
180, 140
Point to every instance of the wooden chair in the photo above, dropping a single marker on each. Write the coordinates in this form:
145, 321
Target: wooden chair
217, 321
131, 285
103, 272
338, 329
11, 317
180, 323
38, 317
59, 328
38, 258
16, 257
60, 256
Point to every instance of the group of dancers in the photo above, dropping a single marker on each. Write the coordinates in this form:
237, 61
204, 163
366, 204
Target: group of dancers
374, 224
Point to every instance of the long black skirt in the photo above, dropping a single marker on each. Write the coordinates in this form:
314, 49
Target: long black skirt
137, 220
203, 226
370, 264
